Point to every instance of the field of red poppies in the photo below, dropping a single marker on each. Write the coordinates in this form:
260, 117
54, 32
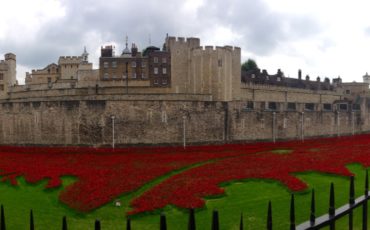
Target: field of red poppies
103, 174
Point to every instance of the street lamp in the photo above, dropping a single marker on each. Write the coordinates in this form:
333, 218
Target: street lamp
184, 131
302, 126
273, 126
126, 77
353, 123
338, 124
112, 117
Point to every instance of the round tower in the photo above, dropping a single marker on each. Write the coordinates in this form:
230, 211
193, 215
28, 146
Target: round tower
11, 62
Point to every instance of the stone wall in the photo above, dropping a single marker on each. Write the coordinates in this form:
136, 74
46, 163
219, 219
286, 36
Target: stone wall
88, 122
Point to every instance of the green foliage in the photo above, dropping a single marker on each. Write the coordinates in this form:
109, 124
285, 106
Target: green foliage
250, 64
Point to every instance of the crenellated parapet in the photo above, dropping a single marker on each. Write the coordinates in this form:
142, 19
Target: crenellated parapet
190, 42
218, 49
69, 60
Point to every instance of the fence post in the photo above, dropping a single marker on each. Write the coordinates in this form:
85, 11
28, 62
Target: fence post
2, 219
128, 223
312, 215
269, 217
215, 222
64, 223
364, 206
351, 202
97, 225
32, 226
332, 207
292, 213
163, 222
241, 227
191, 223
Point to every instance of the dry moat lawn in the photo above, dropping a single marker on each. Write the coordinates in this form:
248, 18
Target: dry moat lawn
83, 183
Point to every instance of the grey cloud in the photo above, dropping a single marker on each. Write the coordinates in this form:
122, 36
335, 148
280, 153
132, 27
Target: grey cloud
262, 28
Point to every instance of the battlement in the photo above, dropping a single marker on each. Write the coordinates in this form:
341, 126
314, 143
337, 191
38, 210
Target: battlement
190, 41
217, 48
69, 59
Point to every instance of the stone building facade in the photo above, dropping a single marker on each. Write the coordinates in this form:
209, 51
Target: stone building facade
184, 92
150, 68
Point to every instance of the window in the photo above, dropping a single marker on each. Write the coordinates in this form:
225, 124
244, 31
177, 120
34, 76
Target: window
106, 75
278, 79
164, 82
49, 79
155, 70
156, 82
155, 59
1, 87
291, 106
164, 70
327, 107
133, 74
133, 64
309, 106
106, 64
143, 64
219, 62
114, 64
272, 106
342, 107
164, 60
348, 91
1, 76
143, 75
249, 105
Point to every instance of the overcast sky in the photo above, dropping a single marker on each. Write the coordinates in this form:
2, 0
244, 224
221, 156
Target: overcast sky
327, 38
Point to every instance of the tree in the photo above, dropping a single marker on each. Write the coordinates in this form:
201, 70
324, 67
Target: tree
250, 64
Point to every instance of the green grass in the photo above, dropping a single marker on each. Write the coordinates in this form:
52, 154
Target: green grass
282, 151
250, 197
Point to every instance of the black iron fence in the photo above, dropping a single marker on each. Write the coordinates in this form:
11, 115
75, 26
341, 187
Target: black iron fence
314, 222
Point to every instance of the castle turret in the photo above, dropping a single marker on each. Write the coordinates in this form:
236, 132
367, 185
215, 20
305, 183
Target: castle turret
8, 73
11, 61
69, 66
366, 78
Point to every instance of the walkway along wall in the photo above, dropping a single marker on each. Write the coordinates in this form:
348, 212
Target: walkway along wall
89, 122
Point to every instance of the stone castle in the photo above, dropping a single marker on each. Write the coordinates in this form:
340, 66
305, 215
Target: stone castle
183, 93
